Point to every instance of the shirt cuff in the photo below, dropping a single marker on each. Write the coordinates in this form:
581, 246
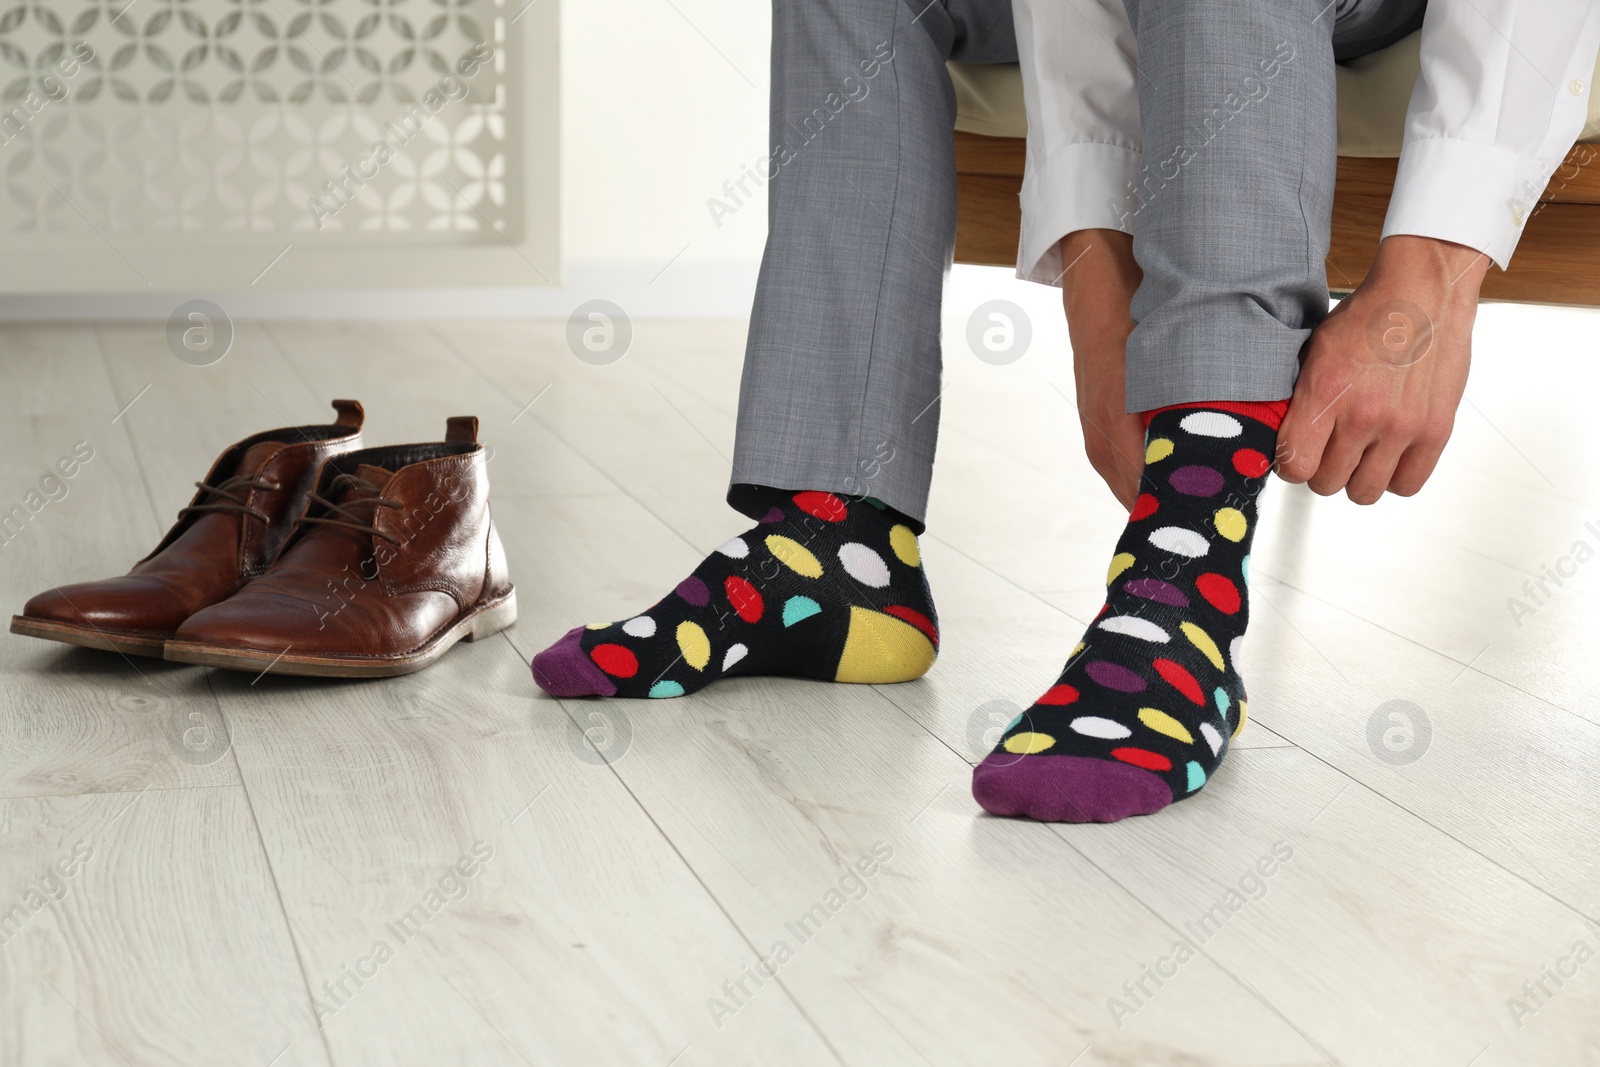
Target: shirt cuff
1462, 191
1081, 186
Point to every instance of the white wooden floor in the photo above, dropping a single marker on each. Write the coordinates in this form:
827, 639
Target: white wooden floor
222, 882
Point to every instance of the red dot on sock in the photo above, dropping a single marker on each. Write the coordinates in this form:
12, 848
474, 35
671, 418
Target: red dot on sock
1181, 680
915, 618
1058, 694
1139, 757
615, 660
1219, 592
744, 597
1250, 463
1143, 508
824, 506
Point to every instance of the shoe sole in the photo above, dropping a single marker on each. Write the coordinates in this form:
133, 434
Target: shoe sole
483, 621
68, 633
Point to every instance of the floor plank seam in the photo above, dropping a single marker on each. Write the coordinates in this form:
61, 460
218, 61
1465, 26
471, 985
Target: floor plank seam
1347, 613
277, 890
598, 466
716, 901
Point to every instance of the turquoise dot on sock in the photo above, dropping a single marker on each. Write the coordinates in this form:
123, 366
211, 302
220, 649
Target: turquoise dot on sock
1244, 569
666, 688
1223, 703
799, 607
1197, 777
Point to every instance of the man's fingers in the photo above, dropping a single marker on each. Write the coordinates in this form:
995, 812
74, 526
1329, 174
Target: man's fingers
1414, 468
1122, 479
1375, 472
1339, 460
1304, 434
1127, 487
1115, 448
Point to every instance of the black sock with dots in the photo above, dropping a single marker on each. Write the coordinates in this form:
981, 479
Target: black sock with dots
822, 587
1143, 712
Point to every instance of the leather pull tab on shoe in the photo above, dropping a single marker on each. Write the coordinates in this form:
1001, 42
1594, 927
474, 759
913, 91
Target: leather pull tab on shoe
461, 430
351, 413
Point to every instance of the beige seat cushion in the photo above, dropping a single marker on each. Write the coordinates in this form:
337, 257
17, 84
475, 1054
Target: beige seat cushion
1373, 93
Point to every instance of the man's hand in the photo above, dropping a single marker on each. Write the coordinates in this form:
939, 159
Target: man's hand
1382, 375
1097, 290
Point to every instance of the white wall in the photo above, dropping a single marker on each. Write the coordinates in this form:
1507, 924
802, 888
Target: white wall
654, 120
662, 102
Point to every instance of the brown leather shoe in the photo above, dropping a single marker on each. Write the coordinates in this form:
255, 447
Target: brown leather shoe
233, 530
395, 561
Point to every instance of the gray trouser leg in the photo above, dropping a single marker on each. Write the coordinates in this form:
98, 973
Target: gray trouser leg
1236, 101
841, 372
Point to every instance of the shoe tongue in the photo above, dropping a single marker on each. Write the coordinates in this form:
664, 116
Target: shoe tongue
256, 455
378, 476
357, 495
224, 524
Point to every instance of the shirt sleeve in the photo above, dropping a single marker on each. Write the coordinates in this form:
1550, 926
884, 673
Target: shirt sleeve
1502, 95
1079, 82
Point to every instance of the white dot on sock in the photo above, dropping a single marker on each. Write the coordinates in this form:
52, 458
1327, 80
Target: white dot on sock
1133, 626
864, 565
1183, 542
1095, 726
1211, 424
734, 655
735, 548
640, 626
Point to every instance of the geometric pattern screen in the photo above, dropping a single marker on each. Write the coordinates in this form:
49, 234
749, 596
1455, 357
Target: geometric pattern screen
352, 119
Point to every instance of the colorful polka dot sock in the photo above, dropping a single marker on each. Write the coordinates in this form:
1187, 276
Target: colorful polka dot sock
1143, 712
823, 587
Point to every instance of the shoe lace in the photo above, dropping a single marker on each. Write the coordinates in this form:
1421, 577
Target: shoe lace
231, 490
341, 516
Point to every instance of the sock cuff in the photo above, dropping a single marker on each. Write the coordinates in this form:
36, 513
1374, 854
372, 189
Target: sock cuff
755, 501
1270, 412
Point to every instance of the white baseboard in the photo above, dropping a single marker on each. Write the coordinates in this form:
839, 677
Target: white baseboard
694, 289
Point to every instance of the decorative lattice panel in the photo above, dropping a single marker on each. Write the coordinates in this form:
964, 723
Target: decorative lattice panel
344, 117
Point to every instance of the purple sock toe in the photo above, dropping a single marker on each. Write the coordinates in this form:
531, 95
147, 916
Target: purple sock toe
565, 670
1066, 788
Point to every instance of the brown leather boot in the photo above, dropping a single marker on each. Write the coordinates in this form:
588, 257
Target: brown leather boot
395, 561
233, 530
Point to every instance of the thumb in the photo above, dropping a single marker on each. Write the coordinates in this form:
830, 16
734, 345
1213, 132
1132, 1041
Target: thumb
1304, 433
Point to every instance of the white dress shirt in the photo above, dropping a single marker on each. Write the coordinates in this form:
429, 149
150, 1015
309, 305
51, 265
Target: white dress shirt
1502, 95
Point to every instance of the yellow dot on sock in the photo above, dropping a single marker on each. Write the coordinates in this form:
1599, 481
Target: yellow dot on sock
1231, 523
694, 644
1243, 714
1119, 563
1157, 450
1202, 640
1026, 744
904, 543
794, 555
1162, 723
597, 625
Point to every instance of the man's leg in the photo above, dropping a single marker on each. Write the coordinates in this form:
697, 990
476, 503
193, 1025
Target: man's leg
837, 412
841, 373
1239, 131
